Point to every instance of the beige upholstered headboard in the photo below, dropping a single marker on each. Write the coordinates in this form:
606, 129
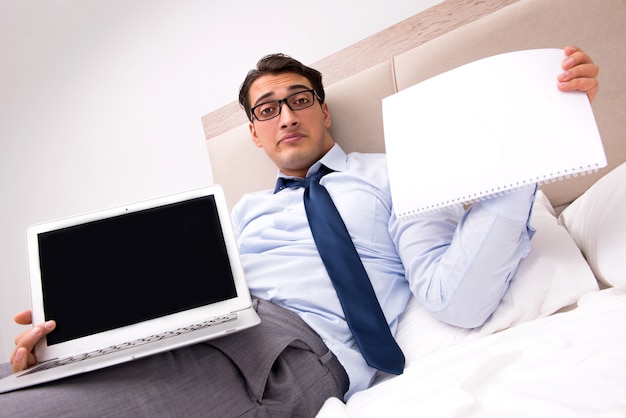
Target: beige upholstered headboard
355, 102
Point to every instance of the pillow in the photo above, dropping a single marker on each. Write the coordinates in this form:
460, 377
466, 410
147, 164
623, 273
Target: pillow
553, 276
597, 222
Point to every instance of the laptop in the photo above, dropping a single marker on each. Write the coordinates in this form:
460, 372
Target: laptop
132, 281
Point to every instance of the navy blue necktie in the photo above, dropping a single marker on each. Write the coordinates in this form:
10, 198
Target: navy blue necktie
354, 289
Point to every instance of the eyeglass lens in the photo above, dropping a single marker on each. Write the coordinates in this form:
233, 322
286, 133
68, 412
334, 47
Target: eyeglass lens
297, 101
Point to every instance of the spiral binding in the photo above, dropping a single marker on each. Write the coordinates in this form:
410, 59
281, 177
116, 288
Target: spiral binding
476, 197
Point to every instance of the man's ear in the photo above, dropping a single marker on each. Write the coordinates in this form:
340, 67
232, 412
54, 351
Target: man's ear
327, 121
255, 138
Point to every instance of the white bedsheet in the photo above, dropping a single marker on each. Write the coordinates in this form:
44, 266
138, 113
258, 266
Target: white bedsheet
569, 364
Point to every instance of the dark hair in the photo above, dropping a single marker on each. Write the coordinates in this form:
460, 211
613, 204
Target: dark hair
278, 64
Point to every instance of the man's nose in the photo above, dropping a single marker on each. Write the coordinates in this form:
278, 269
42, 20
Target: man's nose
287, 116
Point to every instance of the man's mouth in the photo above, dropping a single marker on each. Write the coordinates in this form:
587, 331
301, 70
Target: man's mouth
292, 137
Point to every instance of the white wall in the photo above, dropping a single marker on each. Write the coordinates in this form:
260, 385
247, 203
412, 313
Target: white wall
101, 100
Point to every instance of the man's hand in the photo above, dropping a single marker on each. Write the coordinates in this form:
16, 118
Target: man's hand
580, 73
23, 356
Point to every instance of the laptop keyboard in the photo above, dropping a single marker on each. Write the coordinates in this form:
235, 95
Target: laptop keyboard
135, 343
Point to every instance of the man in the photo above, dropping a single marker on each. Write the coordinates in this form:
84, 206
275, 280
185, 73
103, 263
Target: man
457, 263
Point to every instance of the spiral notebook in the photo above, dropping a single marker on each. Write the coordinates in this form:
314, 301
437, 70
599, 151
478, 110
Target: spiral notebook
484, 129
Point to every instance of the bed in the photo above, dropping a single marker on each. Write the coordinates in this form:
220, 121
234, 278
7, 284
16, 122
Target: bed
556, 346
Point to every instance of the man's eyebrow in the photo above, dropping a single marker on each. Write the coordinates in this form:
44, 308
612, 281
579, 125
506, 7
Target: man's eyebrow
294, 87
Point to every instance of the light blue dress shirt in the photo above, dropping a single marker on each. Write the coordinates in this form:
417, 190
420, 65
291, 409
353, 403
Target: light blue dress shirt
457, 263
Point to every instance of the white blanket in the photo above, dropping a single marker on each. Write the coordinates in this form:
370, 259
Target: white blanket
568, 364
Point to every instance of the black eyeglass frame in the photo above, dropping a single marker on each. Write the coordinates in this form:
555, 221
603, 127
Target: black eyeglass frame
285, 100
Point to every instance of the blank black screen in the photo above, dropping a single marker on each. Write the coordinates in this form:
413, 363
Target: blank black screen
134, 267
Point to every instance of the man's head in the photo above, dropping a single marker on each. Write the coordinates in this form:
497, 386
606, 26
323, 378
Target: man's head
279, 98
275, 64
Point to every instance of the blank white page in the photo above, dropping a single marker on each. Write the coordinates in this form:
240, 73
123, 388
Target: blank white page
485, 128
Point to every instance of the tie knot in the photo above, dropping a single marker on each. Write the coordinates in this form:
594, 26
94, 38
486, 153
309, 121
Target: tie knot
294, 183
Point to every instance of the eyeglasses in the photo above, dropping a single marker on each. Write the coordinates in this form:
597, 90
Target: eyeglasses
296, 101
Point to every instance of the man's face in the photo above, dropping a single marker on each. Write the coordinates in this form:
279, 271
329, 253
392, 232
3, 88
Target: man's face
293, 140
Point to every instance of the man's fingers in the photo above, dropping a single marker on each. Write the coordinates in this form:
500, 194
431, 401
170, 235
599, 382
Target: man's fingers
575, 56
22, 355
579, 73
588, 70
587, 85
19, 359
23, 318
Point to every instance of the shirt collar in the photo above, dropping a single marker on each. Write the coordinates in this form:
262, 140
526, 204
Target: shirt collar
335, 159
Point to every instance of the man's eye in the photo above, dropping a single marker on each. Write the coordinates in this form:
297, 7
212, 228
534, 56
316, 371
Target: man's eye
300, 101
267, 110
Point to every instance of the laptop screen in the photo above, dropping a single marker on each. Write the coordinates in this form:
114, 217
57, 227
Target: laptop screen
119, 271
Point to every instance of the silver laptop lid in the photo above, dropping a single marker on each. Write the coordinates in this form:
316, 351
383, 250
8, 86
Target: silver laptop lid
124, 273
